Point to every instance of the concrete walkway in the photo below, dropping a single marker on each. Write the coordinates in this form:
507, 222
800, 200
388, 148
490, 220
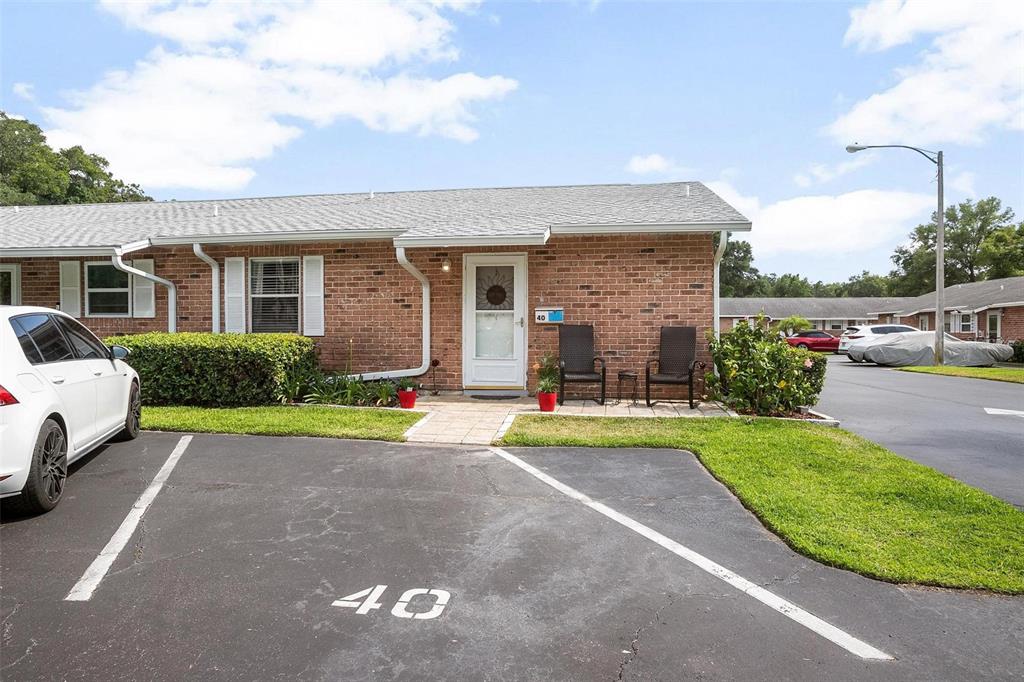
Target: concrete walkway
476, 421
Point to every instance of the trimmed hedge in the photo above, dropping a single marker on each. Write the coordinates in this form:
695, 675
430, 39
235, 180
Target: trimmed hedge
216, 370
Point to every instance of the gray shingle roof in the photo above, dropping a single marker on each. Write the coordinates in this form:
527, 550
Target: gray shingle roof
853, 308
971, 296
441, 213
962, 297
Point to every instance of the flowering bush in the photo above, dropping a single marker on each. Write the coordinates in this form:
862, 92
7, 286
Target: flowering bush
759, 373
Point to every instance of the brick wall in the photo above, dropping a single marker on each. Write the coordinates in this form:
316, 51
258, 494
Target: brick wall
626, 286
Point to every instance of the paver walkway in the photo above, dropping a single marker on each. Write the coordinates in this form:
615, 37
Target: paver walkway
476, 421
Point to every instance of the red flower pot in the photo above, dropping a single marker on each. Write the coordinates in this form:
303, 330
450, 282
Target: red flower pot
407, 399
546, 401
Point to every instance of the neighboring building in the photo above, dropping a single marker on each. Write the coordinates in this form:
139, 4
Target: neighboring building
390, 280
992, 310
833, 315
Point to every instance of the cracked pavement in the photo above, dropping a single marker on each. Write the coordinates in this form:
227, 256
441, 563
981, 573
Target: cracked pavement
233, 571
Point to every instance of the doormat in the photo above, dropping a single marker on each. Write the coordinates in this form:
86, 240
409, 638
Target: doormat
495, 397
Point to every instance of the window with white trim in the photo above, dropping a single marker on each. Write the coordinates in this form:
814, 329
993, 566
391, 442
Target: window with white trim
273, 295
922, 322
837, 325
965, 322
10, 284
108, 291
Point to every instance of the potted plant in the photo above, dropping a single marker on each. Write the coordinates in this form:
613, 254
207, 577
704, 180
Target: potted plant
407, 393
547, 393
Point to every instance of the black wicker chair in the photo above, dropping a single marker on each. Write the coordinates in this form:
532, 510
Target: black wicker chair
676, 360
576, 359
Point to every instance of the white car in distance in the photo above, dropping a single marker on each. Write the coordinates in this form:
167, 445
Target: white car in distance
62, 394
863, 334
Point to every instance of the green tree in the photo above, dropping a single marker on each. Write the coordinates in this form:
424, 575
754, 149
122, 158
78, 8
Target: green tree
33, 173
792, 324
786, 286
968, 225
737, 275
1002, 252
866, 284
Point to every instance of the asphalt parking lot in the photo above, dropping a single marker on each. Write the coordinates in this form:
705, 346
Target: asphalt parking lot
234, 570
939, 421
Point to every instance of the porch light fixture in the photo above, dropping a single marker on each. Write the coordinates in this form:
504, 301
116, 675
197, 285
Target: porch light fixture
446, 265
940, 237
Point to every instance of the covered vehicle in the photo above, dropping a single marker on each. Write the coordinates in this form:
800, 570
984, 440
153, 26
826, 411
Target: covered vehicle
918, 348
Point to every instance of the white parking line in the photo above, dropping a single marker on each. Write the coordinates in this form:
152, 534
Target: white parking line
90, 580
770, 599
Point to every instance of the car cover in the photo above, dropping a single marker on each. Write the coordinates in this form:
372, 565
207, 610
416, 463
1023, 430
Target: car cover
918, 348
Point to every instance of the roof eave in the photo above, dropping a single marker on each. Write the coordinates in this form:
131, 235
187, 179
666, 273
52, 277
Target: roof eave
262, 237
651, 228
445, 241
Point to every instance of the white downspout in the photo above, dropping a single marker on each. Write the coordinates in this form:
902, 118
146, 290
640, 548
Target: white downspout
425, 365
172, 291
197, 249
719, 253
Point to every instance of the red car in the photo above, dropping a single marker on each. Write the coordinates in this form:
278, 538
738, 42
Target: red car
823, 342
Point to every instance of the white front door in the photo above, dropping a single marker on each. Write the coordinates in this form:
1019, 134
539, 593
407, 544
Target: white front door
494, 321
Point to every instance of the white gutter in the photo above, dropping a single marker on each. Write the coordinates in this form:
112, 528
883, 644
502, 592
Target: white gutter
648, 228
291, 236
172, 292
719, 253
425, 365
445, 241
197, 249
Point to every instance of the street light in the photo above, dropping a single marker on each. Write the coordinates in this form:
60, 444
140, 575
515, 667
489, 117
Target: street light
940, 239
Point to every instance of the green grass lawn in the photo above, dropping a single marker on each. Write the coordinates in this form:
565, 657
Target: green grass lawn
831, 495
1010, 374
283, 420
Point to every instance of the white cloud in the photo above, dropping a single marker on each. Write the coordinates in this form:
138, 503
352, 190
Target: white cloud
245, 77
965, 85
655, 164
820, 173
963, 182
25, 91
845, 224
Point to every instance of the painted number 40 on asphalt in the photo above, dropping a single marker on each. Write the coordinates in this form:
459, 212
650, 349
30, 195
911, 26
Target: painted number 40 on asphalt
367, 600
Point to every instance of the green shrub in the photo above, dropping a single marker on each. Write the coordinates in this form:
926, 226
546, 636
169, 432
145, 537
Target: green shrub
215, 370
1018, 351
344, 389
759, 373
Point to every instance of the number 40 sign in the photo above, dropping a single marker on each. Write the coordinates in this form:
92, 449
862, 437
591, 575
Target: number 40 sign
366, 600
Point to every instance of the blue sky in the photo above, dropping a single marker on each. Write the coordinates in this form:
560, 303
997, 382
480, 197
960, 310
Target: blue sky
757, 100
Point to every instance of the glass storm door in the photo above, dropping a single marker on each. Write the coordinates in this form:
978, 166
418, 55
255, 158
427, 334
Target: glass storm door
494, 331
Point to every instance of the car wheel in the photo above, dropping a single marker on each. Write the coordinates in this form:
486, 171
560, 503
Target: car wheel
133, 420
802, 345
47, 473
851, 358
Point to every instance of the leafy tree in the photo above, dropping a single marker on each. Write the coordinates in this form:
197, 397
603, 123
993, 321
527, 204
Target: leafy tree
1002, 252
786, 286
866, 284
792, 324
33, 173
968, 225
737, 275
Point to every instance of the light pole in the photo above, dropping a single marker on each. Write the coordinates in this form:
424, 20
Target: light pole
940, 242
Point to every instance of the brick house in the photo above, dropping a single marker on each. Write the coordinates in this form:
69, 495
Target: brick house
387, 282
992, 310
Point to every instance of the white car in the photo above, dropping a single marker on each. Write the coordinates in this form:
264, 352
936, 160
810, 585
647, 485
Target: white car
62, 394
863, 333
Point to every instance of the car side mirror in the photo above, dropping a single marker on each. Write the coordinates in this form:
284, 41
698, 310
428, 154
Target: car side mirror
118, 352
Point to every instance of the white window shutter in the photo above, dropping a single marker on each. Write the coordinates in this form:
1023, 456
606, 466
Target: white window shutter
234, 295
71, 287
143, 290
313, 295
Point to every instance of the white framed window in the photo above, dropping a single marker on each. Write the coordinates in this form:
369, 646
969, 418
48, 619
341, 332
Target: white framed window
274, 294
922, 322
108, 291
966, 322
10, 284
836, 325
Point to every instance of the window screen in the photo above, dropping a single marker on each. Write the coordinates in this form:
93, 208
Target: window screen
274, 295
107, 291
